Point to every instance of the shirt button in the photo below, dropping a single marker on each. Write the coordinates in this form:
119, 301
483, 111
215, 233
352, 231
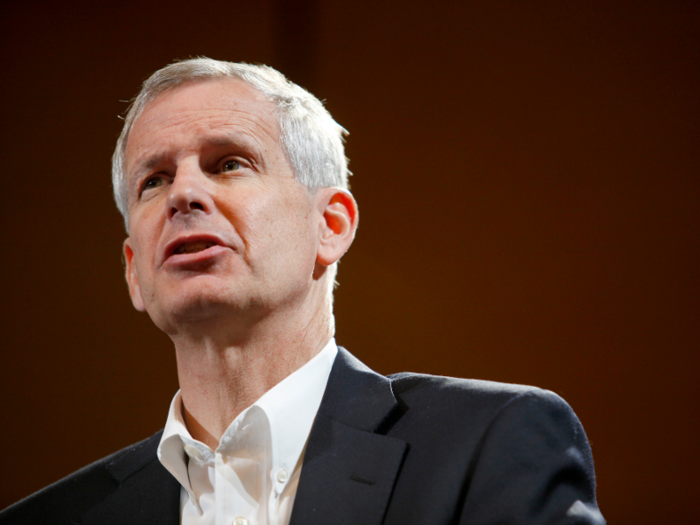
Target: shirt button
240, 521
282, 475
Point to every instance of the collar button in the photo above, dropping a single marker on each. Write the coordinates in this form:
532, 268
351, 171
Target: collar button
191, 452
282, 475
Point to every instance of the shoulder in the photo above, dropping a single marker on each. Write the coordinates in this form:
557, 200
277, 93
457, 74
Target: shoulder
489, 416
516, 444
67, 499
471, 395
428, 404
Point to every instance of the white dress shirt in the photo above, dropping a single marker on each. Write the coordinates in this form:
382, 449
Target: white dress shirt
252, 476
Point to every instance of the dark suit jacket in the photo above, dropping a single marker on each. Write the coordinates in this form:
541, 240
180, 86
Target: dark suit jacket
408, 449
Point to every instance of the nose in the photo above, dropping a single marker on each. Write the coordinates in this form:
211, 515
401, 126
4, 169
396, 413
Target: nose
189, 192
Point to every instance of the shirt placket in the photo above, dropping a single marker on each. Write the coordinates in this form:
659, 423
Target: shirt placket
233, 504
201, 459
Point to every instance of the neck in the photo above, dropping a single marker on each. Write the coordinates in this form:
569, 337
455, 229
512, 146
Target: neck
223, 373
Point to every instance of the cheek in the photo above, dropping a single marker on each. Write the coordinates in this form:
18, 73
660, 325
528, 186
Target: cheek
257, 213
274, 222
144, 233
299, 234
285, 233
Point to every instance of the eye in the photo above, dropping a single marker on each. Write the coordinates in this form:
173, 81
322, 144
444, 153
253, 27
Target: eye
231, 165
151, 183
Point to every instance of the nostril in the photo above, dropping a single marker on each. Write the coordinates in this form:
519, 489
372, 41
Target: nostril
196, 206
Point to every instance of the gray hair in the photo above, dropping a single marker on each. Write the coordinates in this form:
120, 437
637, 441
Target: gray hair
311, 139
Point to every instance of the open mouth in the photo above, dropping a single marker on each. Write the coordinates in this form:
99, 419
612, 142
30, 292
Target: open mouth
193, 247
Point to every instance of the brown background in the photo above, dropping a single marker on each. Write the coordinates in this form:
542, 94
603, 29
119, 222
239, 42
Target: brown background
528, 179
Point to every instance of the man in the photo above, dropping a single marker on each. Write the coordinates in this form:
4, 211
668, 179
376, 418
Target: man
233, 187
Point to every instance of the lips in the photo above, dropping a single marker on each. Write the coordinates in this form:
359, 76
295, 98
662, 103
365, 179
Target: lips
189, 248
193, 247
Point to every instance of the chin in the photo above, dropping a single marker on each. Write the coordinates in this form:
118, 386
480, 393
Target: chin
205, 304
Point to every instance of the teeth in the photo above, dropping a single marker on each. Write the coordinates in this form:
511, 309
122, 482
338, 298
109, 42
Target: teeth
193, 247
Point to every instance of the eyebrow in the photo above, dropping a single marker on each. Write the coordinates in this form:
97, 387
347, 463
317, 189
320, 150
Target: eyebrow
243, 141
235, 138
214, 140
220, 140
152, 162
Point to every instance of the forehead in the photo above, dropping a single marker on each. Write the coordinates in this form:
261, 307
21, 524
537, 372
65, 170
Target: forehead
201, 111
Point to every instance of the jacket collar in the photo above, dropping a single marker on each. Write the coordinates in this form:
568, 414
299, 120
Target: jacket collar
358, 396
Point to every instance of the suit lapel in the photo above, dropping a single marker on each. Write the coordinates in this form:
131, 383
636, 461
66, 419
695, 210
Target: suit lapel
147, 492
349, 467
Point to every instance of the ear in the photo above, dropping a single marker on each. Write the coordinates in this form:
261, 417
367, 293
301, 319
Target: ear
132, 278
338, 225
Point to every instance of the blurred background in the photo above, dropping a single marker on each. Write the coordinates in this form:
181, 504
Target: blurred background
528, 180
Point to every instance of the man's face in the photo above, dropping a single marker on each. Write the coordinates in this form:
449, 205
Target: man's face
218, 222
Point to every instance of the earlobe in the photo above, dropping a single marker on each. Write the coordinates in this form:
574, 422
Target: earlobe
338, 226
132, 277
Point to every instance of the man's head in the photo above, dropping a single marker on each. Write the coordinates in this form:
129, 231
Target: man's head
312, 140
221, 219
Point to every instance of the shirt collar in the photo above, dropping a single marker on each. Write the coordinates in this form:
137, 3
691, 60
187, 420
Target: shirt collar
290, 407
171, 450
